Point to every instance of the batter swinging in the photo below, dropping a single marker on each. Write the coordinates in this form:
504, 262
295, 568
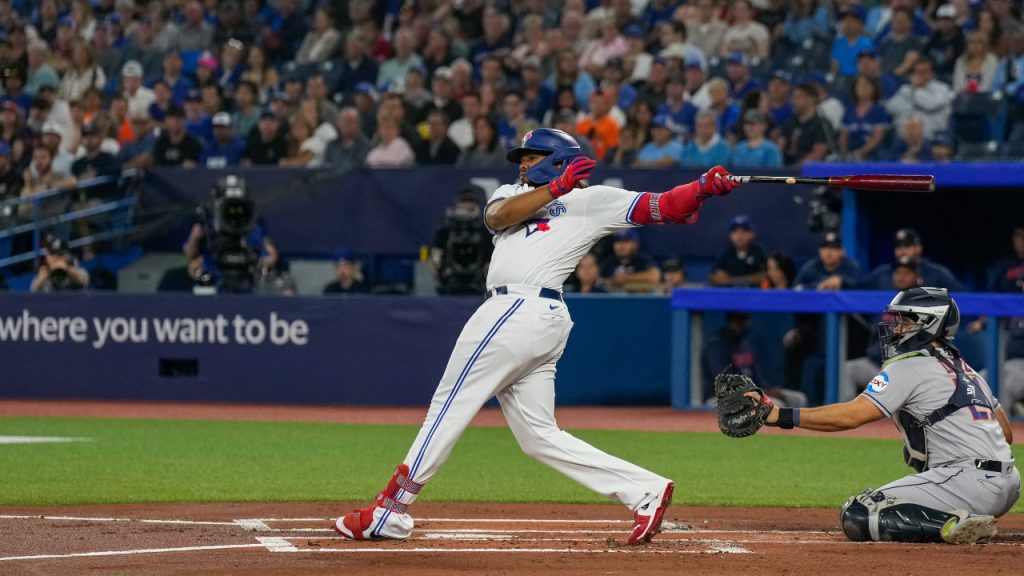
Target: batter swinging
511, 344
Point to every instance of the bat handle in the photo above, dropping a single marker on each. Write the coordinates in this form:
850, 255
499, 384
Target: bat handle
739, 179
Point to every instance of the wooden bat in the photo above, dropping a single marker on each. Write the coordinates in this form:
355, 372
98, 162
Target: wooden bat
886, 182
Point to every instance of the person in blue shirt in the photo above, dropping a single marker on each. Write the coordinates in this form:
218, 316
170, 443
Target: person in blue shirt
755, 151
741, 83
179, 85
831, 270
197, 121
907, 245
865, 120
707, 147
662, 151
850, 42
225, 149
676, 109
778, 93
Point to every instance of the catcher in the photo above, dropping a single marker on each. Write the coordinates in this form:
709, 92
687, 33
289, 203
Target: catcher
956, 437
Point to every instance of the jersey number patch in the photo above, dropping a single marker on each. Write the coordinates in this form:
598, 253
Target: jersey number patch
980, 413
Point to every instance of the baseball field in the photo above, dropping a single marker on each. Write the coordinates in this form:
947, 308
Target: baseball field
112, 488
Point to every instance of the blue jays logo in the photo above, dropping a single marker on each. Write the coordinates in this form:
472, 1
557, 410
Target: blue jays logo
537, 225
878, 383
526, 138
556, 208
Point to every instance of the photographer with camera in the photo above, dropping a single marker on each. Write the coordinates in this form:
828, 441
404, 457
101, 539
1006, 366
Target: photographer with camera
462, 246
58, 270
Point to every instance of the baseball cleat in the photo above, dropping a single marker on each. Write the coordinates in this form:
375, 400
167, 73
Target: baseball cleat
374, 523
965, 528
647, 518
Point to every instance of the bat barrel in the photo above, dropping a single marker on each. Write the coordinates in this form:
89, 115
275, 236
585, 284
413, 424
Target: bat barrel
887, 182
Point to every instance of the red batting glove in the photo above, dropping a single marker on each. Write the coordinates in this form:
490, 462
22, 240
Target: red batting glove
717, 181
578, 169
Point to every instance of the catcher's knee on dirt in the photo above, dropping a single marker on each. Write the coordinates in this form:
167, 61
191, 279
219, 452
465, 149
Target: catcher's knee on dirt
872, 516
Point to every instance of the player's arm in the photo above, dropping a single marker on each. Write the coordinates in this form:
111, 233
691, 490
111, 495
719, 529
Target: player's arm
831, 418
517, 209
680, 204
1004, 423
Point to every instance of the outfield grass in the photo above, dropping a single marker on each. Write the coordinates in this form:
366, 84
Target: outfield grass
209, 461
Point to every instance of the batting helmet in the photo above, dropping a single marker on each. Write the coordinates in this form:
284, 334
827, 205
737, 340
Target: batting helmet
934, 316
557, 147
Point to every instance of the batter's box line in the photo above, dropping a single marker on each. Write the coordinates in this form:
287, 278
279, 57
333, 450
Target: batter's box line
279, 544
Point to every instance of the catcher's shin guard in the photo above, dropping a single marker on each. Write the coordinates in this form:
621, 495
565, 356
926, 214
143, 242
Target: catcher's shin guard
872, 516
387, 517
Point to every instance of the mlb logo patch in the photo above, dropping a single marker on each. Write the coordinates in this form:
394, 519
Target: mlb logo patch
878, 383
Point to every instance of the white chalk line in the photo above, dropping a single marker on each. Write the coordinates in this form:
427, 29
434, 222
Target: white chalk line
253, 525
471, 520
132, 552
101, 519
390, 550
40, 439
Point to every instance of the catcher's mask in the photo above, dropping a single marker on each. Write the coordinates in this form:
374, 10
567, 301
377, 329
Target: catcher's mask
915, 318
557, 147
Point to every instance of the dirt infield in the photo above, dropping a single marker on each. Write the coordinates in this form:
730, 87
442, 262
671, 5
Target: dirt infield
459, 538
295, 539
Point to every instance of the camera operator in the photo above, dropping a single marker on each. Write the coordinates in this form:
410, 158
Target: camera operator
58, 270
462, 246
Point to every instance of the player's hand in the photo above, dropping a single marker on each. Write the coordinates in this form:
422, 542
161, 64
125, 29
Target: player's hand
717, 181
578, 169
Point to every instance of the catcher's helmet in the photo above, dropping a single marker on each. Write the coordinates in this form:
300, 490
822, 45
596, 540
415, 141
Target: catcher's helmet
934, 316
558, 147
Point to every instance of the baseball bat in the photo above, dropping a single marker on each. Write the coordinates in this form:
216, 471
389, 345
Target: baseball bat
886, 182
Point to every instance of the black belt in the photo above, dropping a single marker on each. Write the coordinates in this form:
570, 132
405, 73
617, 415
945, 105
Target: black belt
989, 465
543, 293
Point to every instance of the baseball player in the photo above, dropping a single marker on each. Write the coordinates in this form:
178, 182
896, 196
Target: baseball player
956, 435
542, 227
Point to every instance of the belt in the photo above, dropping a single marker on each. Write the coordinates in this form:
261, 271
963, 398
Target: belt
992, 465
542, 292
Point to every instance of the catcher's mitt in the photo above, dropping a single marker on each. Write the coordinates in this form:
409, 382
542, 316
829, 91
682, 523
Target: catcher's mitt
739, 415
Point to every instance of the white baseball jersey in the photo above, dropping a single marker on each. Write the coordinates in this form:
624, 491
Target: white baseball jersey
919, 384
544, 250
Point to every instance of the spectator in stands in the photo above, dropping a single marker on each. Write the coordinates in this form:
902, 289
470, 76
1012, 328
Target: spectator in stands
743, 262
673, 275
11, 183
946, 43
416, 95
392, 150
599, 126
565, 120
587, 277
59, 270
755, 150
283, 32
13, 132
82, 74
246, 114
630, 270
182, 278
779, 99
206, 71
899, 49
179, 85
138, 96
741, 83
514, 123
14, 84
831, 270
461, 130
830, 109
654, 90
903, 274
640, 117
194, 33
568, 75
851, 41
304, 148
806, 22
106, 56
138, 151
606, 45
663, 151
975, 69
705, 30
266, 144
869, 65
438, 148
780, 271
406, 58
726, 111
175, 146
907, 245
636, 61
865, 122
39, 71
348, 151
197, 122
40, 177
625, 154
538, 97
912, 145
485, 151
321, 41
51, 138
680, 113
805, 137
348, 274
225, 149
745, 34
707, 148
228, 76
260, 71
95, 162
441, 97
230, 25
356, 67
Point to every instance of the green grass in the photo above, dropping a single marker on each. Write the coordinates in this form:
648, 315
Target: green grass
202, 461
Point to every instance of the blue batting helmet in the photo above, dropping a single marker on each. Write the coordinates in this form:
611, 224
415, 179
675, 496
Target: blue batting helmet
557, 147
